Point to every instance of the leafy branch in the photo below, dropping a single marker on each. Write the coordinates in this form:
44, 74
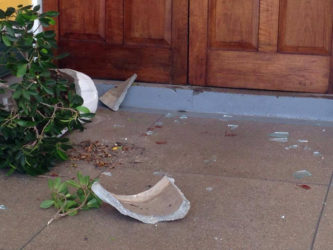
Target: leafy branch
70, 203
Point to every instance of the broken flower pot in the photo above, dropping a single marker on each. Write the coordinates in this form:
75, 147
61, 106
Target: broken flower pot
84, 87
163, 202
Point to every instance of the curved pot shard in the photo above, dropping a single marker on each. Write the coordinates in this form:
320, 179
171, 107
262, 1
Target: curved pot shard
162, 202
85, 87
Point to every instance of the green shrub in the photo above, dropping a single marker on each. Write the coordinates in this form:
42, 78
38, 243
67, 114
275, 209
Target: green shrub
45, 101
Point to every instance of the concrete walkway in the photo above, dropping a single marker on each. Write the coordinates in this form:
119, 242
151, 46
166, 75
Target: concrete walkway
240, 184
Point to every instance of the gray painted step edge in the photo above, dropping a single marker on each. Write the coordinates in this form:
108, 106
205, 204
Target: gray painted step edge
211, 102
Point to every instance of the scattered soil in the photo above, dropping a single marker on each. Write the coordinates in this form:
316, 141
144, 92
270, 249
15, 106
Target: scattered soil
106, 155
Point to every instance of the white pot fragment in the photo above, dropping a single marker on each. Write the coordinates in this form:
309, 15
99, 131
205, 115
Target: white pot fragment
162, 202
115, 96
84, 87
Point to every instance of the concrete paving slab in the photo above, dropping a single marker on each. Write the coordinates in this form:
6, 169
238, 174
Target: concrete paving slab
236, 213
241, 187
209, 146
324, 239
109, 125
23, 218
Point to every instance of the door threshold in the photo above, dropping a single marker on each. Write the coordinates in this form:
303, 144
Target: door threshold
220, 101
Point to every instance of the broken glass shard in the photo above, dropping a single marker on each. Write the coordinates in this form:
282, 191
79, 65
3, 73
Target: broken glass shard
279, 139
291, 147
158, 124
149, 132
301, 174
107, 173
279, 134
316, 153
233, 126
3, 207
183, 117
303, 141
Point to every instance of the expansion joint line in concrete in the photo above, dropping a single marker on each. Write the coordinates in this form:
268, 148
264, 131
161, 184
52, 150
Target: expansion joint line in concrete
321, 213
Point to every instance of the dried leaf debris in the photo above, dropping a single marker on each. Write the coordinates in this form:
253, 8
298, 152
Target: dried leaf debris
105, 155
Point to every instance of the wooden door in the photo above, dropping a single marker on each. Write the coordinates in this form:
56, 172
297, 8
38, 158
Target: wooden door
261, 44
116, 38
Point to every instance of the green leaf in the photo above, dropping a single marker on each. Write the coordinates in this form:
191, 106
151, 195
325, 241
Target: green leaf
80, 178
2, 14
17, 94
47, 204
80, 194
61, 56
51, 184
83, 109
10, 11
74, 212
25, 124
44, 51
62, 188
73, 183
51, 13
62, 154
93, 203
6, 40
36, 8
21, 70
71, 204
57, 183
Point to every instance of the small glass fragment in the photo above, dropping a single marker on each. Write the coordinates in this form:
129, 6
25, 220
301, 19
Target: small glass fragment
316, 153
227, 116
149, 132
303, 141
209, 189
291, 147
283, 217
279, 137
183, 117
118, 126
160, 173
324, 130
158, 124
3, 207
279, 134
304, 186
283, 140
233, 126
107, 173
301, 174
212, 159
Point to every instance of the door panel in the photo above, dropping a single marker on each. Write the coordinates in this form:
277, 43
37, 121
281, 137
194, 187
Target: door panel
257, 69
82, 26
265, 44
234, 24
306, 27
114, 39
149, 23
